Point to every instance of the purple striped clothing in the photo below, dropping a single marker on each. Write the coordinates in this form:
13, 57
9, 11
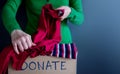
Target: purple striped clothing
65, 51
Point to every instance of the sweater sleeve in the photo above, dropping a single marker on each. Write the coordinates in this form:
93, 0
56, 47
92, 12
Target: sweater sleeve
9, 15
76, 16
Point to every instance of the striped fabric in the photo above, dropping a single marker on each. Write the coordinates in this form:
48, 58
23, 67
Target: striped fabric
65, 51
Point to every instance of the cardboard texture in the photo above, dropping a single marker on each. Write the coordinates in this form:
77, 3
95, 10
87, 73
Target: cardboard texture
46, 65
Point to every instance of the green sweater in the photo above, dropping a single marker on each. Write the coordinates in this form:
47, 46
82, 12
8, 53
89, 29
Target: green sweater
33, 9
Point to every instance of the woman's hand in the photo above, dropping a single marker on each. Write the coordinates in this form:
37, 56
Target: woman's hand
21, 41
67, 11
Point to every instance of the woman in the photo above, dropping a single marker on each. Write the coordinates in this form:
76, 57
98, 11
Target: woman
21, 40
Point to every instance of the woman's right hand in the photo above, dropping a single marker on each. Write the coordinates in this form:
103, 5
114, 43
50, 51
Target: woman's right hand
21, 41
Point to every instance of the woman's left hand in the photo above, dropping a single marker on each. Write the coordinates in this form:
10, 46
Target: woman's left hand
67, 11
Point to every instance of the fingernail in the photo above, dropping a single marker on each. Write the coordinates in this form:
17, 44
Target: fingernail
34, 44
18, 53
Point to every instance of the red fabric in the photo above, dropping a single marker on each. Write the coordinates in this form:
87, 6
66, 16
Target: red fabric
48, 34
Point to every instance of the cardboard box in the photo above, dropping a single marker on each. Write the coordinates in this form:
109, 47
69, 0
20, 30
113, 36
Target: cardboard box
46, 65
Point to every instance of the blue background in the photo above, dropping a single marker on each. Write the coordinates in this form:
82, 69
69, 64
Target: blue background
97, 39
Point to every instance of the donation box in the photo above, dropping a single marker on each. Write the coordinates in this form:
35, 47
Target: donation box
46, 65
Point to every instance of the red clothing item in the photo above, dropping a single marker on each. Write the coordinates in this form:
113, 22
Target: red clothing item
48, 34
